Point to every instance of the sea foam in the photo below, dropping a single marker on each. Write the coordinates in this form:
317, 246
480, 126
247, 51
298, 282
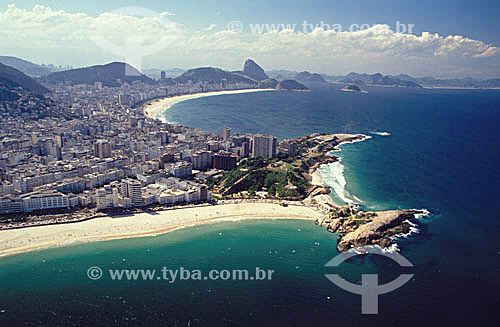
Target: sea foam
333, 175
381, 133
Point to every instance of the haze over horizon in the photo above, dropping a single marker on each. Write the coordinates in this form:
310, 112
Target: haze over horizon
55, 32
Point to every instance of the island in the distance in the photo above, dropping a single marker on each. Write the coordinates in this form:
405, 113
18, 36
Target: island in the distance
352, 88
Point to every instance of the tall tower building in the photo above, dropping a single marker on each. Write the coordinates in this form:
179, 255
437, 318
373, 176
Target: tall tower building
226, 134
102, 149
264, 146
131, 189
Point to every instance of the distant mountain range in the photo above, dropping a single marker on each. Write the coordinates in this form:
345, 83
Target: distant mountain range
377, 79
402, 80
11, 78
113, 75
251, 74
25, 66
307, 77
461, 82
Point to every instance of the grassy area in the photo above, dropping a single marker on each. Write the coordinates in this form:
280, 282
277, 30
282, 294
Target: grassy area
281, 177
275, 176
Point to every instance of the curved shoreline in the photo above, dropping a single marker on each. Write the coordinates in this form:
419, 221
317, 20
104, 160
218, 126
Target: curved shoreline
17, 241
153, 109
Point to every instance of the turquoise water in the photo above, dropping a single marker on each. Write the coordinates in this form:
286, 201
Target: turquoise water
442, 155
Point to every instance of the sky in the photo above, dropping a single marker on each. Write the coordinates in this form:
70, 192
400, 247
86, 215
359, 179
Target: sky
447, 39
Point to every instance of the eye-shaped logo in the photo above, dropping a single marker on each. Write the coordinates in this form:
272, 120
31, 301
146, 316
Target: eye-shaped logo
369, 288
133, 51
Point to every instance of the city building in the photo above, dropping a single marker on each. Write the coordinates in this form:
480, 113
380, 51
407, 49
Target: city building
44, 200
131, 188
289, 147
102, 149
180, 169
226, 134
106, 198
201, 160
264, 146
224, 160
10, 204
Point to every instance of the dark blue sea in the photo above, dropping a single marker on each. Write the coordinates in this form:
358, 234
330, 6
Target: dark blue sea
442, 155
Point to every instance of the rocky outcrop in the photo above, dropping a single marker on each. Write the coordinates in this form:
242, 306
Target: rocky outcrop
251, 69
291, 85
268, 84
377, 230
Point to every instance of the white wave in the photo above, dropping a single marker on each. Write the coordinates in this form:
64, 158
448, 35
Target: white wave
333, 176
424, 213
413, 230
393, 248
357, 199
381, 133
413, 226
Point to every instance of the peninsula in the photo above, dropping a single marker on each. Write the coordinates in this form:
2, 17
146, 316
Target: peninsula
101, 166
295, 178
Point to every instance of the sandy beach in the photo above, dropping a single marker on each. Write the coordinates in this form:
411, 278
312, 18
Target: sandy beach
154, 108
17, 241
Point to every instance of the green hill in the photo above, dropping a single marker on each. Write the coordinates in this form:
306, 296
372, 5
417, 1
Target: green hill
12, 77
290, 85
110, 75
308, 77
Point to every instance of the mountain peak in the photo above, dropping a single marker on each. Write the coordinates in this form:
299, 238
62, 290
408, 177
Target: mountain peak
251, 69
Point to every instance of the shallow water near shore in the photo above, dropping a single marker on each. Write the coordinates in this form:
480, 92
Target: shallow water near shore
442, 154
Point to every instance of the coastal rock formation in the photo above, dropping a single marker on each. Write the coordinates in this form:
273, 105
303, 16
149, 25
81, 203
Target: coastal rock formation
378, 230
290, 85
351, 88
268, 84
334, 225
251, 69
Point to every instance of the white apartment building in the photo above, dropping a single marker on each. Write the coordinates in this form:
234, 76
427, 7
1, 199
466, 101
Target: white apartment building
264, 146
45, 200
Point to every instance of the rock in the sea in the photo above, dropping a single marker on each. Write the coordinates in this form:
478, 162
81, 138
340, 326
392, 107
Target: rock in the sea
377, 230
334, 225
291, 85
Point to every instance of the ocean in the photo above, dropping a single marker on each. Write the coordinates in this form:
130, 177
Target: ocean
432, 149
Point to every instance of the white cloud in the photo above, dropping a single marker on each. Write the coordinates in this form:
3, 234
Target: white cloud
59, 35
